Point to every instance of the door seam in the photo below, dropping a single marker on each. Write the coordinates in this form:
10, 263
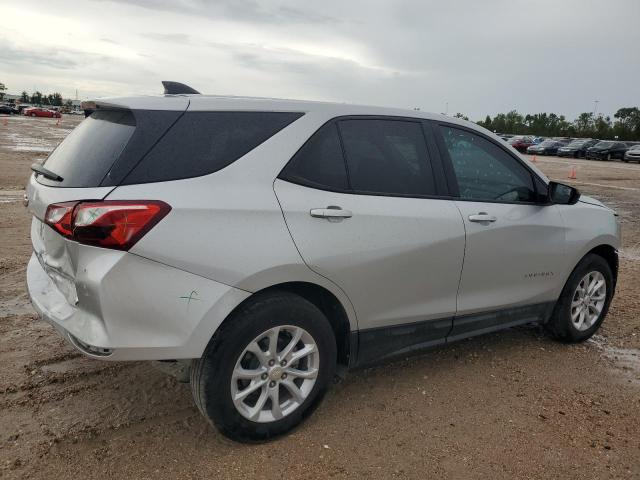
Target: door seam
284, 218
464, 256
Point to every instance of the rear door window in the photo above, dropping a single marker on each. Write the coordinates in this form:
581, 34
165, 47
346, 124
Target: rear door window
387, 157
201, 143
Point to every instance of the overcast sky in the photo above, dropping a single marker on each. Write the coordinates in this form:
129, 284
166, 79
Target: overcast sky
480, 57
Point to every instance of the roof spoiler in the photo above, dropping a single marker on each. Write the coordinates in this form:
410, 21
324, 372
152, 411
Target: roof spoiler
177, 88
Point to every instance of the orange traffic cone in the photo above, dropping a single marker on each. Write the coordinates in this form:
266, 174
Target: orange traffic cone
4, 121
58, 122
573, 174
533, 159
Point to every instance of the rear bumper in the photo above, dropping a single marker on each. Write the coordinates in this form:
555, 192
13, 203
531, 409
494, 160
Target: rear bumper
135, 309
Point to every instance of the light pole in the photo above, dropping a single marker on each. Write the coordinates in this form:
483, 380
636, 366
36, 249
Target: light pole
595, 107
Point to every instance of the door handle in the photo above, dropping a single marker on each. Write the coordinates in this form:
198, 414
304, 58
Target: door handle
330, 212
482, 217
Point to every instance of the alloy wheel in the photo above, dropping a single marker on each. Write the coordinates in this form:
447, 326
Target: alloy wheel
588, 300
275, 373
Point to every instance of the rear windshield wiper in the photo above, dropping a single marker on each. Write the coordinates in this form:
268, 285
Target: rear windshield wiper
39, 169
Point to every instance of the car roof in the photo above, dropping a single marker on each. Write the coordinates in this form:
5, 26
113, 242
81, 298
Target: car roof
227, 102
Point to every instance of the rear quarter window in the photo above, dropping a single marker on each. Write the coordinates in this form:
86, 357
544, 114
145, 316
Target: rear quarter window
319, 163
201, 143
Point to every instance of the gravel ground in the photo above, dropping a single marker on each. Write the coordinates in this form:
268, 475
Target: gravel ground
514, 404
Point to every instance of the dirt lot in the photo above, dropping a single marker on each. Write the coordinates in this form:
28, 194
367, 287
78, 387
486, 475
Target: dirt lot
508, 405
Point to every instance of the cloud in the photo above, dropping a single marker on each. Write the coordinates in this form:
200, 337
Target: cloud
56, 58
250, 11
479, 57
168, 37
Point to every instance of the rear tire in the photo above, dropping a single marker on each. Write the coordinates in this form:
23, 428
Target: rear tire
565, 323
227, 370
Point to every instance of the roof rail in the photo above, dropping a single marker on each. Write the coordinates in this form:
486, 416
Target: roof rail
177, 88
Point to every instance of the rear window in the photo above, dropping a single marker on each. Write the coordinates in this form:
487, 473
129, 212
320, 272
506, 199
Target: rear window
85, 157
201, 143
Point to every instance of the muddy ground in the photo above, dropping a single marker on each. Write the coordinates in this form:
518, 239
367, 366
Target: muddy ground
513, 404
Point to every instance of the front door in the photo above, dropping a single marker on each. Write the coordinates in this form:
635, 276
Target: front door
514, 252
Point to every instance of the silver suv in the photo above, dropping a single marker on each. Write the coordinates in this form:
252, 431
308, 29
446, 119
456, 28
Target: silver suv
269, 242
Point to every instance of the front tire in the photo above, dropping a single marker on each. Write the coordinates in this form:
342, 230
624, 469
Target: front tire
266, 368
584, 301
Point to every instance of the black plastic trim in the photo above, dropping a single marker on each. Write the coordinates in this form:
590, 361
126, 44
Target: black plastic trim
177, 88
378, 344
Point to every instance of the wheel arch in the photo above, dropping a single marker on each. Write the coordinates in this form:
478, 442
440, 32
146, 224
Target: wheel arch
610, 254
328, 303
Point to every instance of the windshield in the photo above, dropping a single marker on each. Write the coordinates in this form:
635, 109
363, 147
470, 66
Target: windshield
548, 143
577, 143
604, 144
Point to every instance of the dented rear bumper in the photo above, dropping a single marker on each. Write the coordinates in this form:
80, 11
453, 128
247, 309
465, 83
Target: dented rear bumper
132, 308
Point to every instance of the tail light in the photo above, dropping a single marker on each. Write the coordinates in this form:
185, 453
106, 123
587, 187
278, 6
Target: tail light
110, 224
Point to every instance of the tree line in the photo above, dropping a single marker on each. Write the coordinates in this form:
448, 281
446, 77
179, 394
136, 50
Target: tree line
624, 126
38, 98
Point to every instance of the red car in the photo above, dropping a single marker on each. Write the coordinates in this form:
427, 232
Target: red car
41, 112
521, 143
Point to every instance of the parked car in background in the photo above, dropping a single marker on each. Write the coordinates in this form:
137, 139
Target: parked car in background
41, 112
538, 140
378, 257
548, 147
633, 154
520, 143
577, 148
607, 150
22, 107
8, 109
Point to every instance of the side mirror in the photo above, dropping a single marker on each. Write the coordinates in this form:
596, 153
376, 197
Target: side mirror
562, 194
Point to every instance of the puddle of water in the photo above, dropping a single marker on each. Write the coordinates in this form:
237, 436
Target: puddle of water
30, 139
632, 253
20, 305
29, 148
11, 196
65, 366
18, 142
625, 359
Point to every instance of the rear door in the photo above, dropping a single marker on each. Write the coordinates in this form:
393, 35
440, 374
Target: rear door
515, 242
364, 206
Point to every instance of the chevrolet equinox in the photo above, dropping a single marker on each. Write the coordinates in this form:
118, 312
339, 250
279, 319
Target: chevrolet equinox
267, 243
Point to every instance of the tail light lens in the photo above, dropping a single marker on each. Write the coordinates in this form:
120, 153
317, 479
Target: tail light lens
110, 224
59, 216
